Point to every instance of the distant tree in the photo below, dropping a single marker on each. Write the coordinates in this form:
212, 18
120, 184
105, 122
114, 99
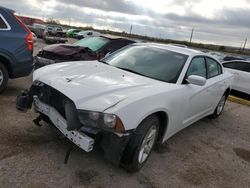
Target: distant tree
222, 48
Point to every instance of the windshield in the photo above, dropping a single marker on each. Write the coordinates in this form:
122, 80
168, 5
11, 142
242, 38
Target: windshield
152, 62
93, 43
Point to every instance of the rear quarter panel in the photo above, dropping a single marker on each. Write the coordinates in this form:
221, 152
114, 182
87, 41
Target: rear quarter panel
13, 43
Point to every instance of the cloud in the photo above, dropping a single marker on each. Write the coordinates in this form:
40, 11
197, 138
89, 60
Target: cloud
214, 21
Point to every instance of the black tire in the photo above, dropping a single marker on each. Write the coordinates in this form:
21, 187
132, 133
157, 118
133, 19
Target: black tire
4, 77
218, 111
130, 159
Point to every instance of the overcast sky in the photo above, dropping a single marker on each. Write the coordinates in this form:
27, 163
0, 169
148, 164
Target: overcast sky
215, 21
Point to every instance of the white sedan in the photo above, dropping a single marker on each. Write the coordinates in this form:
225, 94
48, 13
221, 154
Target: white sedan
241, 71
129, 101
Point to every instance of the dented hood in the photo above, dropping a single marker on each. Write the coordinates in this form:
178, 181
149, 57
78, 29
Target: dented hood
93, 85
64, 49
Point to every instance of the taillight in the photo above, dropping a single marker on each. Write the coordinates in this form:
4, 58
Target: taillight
29, 37
29, 41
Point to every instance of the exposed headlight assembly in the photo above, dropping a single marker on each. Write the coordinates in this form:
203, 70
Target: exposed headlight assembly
109, 122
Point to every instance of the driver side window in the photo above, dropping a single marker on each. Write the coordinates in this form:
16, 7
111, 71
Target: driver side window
197, 67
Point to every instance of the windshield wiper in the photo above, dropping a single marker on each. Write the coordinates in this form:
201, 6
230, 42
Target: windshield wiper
102, 61
129, 70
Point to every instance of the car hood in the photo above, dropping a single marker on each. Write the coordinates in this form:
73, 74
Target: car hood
64, 49
93, 85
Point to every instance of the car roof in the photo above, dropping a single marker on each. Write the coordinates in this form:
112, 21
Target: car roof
53, 26
113, 37
232, 61
7, 9
181, 50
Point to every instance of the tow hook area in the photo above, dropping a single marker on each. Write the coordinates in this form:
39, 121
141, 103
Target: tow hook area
38, 120
25, 98
23, 101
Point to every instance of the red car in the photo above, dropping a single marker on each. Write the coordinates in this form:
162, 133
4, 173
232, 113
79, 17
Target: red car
93, 48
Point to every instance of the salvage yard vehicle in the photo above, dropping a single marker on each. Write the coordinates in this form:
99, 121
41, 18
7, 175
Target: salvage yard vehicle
86, 49
87, 34
54, 34
71, 32
134, 98
34, 38
37, 29
241, 71
16, 48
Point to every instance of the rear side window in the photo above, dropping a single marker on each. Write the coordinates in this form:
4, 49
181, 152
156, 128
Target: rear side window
197, 67
241, 66
213, 68
117, 44
2, 23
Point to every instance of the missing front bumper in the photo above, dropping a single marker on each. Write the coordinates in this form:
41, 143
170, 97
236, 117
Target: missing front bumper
113, 144
80, 139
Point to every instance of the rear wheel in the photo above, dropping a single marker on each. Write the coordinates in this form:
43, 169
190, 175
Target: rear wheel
4, 76
220, 107
141, 144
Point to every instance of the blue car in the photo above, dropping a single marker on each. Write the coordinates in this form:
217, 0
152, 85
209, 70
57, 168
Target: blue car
16, 48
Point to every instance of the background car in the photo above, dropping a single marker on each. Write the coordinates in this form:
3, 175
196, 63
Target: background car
71, 32
34, 37
54, 34
86, 34
138, 96
76, 34
86, 49
231, 58
37, 29
16, 48
241, 71
217, 55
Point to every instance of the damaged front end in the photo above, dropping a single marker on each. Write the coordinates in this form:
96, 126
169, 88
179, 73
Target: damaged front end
62, 53
83, 128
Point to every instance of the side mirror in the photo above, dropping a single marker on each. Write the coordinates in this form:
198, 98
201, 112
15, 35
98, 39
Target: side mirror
196, 80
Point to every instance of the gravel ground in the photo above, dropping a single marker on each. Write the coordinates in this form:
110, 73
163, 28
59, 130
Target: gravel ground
210, 153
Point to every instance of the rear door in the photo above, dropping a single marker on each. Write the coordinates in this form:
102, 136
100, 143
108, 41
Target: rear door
197, 96
215, 83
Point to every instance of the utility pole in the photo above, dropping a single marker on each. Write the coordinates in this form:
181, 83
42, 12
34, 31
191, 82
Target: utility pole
131, 27
191, 36
240, 46
69, 21
244, 45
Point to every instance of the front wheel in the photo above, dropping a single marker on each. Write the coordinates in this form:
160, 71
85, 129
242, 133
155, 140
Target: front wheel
141, 144
220, 107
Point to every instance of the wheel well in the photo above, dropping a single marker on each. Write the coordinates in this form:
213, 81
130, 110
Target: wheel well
227, 92
7, 64
163, 119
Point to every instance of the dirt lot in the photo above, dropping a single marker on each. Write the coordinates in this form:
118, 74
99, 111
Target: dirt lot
210, 153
